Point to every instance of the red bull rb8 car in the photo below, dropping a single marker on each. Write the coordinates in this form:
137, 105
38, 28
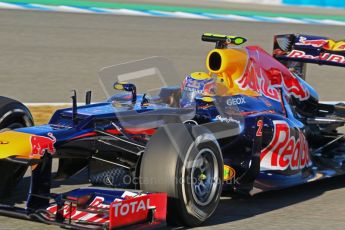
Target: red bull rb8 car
251, 123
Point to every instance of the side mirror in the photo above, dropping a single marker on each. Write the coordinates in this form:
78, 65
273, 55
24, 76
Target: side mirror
129, 87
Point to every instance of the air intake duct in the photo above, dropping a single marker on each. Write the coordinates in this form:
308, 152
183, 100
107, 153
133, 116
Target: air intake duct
226, 60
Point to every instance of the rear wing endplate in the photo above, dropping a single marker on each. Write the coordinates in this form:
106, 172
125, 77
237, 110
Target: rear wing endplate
295, 50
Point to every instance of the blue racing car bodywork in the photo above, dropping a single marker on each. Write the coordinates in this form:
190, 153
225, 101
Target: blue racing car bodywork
250, 124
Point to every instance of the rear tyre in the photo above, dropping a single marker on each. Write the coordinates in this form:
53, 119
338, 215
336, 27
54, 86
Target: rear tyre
13, 115
187, 164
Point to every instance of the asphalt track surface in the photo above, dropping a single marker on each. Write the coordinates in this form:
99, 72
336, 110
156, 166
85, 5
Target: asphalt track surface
45, 55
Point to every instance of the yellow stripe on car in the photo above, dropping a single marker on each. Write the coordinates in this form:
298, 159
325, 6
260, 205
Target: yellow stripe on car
14, 143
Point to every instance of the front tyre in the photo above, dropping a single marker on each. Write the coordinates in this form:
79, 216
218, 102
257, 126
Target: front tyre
13, 115
186, 163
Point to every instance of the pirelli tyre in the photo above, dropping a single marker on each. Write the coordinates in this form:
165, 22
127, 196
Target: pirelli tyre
186, 163
13, 114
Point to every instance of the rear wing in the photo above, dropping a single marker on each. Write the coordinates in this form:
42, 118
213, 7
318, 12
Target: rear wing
295, 50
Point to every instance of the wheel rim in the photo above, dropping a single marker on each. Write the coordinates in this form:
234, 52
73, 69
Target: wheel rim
204, 177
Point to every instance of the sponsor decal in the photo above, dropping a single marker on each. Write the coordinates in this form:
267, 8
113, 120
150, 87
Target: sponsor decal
189, 89
255, 79
314, 43
229, 173
41, 144
323, 57
4, 142
123, 209
258, 80
226, 119
285, 151
235, 101
294, 87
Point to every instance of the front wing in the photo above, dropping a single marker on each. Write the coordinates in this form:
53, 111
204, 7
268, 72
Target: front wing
97, 208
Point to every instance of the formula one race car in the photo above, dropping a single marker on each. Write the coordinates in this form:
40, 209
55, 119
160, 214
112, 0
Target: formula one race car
250, 124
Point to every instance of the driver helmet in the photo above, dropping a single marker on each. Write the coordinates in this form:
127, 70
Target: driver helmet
196, 84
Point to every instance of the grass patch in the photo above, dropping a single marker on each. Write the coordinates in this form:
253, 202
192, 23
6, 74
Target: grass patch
42, 114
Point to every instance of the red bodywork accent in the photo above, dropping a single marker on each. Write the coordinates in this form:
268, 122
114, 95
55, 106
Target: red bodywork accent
317, 43
257, 112
131, 131
71, 212
337, 58
264, 74
136, 210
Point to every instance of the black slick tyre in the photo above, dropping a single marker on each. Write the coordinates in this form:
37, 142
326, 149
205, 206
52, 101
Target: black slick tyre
186, 163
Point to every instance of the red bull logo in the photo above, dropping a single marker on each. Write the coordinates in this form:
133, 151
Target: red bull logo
41, 144
285, 151
322, 43
317, 43
255, 79
337, 46
266, 82
323, 57
341, 47
294, 87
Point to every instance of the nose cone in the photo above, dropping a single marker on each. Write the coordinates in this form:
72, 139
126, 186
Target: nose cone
14, 143
25, 145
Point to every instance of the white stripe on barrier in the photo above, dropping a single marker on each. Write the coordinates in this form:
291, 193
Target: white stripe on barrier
132, 12
290, 20
69, 9
332, 22
189, 15
10, 6
237, 17
263, 2
154, 13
